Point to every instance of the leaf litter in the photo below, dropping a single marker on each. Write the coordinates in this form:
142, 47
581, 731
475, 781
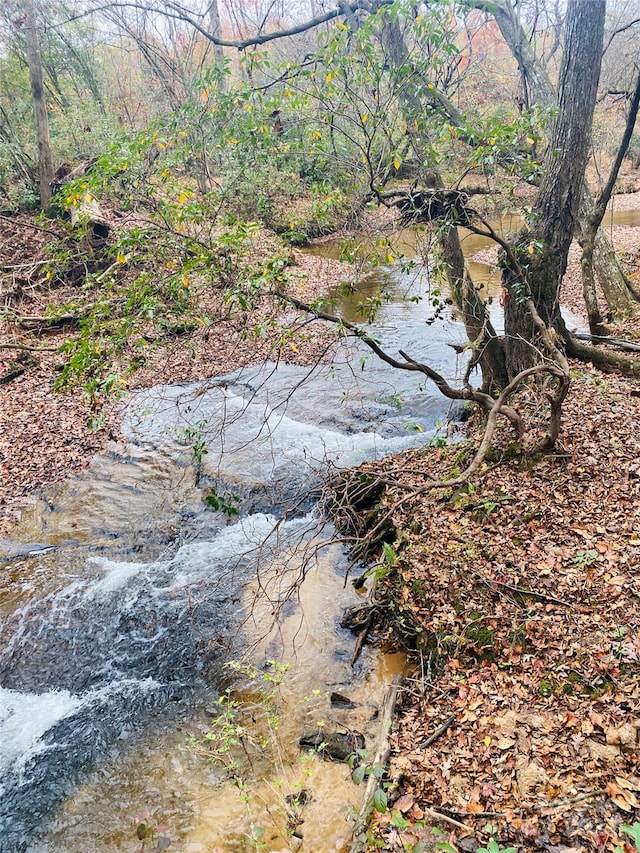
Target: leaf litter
518, 599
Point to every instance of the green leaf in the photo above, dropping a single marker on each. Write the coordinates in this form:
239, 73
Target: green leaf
633, 831
399, 821
358, 774
390, 556
380, 800
142, 831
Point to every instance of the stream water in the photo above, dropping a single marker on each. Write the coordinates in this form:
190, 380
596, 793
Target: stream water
122, 598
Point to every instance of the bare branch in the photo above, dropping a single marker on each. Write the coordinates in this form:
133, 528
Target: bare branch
175, 11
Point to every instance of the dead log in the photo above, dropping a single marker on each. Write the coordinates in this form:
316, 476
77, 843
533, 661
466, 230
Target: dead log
380, 758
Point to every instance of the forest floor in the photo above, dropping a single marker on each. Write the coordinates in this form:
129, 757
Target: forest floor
518, 599
517, 595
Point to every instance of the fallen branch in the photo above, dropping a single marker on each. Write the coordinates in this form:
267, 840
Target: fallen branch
618, 343
381, 756
28, 348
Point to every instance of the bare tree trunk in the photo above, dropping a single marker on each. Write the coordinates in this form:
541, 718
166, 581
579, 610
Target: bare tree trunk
608, 273
543, 251
216, 31
45, 160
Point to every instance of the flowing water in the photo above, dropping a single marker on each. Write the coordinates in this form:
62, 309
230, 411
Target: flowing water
122, 598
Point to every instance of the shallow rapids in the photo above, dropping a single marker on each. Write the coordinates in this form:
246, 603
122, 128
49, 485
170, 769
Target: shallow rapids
121, 597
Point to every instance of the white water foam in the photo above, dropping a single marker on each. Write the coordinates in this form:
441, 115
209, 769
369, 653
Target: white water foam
248, 441
25, 717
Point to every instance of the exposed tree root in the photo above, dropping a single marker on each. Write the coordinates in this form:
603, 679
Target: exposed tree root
605, 360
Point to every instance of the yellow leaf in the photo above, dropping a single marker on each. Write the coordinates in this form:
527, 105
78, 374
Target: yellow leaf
530, 140
364, 118
396, 162
292, 226
329, 77
294, 347
487, 741
120, 258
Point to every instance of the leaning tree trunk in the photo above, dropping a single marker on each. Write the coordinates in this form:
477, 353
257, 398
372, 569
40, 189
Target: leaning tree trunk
487, 347
542, 252
615, 287
590, 224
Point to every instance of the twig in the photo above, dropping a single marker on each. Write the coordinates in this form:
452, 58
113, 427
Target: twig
446, 819
438, 732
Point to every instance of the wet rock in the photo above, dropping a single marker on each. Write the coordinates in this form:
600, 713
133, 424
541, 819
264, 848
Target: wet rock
339, 701
336, 746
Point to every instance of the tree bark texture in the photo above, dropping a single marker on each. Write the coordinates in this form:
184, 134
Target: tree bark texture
216, 32
619, 297
45, 160
556, 208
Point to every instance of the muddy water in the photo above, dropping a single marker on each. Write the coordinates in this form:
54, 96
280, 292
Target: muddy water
122, 598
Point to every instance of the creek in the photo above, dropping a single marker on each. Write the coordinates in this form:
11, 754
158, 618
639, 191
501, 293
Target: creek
122, 598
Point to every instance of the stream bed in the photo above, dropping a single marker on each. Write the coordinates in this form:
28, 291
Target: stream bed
122, 599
